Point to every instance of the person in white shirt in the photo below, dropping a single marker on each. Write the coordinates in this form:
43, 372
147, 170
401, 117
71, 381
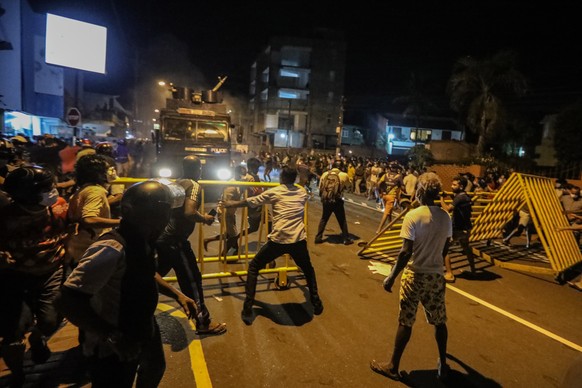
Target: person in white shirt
287, 237
426, 232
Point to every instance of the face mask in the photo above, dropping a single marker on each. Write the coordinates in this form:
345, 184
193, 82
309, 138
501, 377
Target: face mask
111, 175
49, 198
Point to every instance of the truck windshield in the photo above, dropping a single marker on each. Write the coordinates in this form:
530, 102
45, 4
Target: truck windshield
196, 130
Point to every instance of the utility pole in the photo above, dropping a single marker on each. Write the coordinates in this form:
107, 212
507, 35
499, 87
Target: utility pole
340, 124
290, 127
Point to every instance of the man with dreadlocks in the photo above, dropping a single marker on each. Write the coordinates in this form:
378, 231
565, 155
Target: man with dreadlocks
426, 232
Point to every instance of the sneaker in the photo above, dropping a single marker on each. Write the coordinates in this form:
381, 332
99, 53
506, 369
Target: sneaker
348, 241
212, 329
317, 306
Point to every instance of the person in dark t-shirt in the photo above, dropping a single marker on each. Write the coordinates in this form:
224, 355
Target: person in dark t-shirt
174, 249
461, 208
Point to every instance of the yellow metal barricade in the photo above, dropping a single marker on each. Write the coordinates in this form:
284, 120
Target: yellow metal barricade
538, 194
386, 244
225, 263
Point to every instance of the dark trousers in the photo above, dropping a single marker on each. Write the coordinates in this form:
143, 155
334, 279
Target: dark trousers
269, 252
336, 208
149, 366
178, 255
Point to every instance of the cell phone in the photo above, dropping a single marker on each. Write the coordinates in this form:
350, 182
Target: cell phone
212, 212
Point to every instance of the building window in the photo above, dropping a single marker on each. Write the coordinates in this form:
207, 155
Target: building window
265, 75
289, 94
329, 119
397, 132
330, 97
424, 135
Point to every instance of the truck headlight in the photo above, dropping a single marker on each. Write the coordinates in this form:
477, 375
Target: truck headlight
165, 172
223, 174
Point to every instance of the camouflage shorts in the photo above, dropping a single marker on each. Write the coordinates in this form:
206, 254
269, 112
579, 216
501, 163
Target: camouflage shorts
426, 288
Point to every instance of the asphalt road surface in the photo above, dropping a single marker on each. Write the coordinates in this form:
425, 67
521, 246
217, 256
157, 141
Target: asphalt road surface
506, 329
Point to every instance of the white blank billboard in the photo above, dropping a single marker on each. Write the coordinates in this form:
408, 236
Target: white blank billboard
75, 44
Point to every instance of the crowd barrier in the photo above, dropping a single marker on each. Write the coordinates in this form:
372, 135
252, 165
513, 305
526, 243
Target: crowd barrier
221, 266
491, 211
386, 244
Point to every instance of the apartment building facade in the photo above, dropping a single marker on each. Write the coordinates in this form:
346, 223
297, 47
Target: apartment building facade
296, 91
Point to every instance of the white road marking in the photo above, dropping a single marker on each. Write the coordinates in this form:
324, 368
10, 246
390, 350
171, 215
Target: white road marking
517, 319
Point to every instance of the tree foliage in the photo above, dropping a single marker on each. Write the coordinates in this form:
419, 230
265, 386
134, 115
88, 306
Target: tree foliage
477, 89
568, 134
419, 157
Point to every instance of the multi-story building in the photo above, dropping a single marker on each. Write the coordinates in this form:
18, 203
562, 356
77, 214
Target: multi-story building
296, 92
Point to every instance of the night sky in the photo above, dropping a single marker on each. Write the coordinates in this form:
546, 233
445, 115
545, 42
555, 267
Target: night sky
386, 40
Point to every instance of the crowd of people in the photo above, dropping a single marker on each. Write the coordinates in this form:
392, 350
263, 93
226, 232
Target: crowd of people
76, 245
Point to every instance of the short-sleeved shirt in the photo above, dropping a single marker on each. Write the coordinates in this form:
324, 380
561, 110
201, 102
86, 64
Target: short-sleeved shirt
390, 183
180, 226
288, 203
99, 274
410, 183
89, 201
428, 227
34, 238
462, 208
344, 178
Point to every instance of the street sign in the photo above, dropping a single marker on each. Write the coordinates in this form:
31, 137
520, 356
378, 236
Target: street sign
73, 117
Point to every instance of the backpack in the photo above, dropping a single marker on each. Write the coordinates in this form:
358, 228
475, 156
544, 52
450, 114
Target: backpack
331, 188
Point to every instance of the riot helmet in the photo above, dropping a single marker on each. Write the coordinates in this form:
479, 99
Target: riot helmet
147, 206
27, 184
104, 148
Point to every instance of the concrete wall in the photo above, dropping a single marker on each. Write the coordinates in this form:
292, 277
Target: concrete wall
448, 171
450, 151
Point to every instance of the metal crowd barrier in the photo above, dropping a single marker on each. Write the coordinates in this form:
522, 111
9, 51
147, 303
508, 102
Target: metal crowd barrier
546, 212
386, 244
244, 254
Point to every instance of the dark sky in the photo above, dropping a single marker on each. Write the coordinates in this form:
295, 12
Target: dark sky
386, 40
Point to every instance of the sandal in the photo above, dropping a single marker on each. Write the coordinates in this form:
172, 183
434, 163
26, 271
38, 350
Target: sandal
449, 278
212, 329
382, 368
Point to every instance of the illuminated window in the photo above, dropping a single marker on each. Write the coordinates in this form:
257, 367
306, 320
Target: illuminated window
289, 94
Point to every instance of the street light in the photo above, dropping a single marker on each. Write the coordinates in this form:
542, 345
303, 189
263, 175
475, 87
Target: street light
162, 83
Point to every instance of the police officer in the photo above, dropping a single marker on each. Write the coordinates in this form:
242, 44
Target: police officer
174, 249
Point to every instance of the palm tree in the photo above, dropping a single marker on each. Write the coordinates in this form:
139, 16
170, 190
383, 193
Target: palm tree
417, 102
477, 89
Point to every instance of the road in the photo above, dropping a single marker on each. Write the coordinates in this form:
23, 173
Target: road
507, 329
